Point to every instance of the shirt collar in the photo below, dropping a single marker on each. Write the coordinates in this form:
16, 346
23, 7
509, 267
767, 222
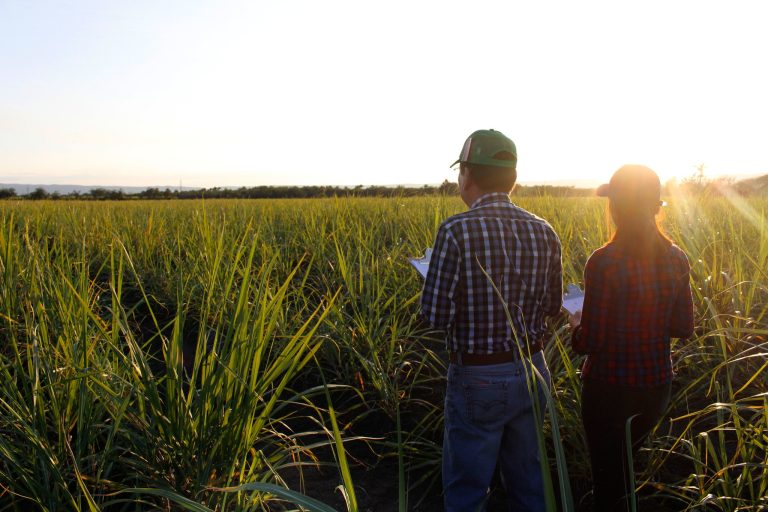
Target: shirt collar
492, 197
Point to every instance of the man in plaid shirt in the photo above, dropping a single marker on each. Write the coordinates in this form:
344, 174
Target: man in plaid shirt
494, 276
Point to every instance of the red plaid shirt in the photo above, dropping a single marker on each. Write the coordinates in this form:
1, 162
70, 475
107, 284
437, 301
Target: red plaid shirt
632, 307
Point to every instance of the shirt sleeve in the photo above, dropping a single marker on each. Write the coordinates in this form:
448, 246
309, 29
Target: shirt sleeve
554, 299
438, 297
592, 334
681, 324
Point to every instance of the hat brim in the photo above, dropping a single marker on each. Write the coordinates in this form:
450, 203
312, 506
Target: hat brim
604, 190
494, 163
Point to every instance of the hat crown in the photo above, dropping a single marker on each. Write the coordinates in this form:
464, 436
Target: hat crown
633, 184
488, 147
636, 179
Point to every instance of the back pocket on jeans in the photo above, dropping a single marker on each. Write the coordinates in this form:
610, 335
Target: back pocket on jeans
486, 400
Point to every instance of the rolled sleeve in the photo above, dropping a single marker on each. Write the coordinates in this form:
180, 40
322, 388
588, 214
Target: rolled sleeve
593, 331
554, 300
438, 304
681, 324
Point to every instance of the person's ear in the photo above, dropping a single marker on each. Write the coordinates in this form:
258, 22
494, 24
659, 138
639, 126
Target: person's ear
466, 181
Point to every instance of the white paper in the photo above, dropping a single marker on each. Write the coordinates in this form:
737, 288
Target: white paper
573, 300
422, 264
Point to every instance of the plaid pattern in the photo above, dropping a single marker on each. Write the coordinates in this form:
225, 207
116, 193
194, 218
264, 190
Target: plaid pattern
631, 309
518, 251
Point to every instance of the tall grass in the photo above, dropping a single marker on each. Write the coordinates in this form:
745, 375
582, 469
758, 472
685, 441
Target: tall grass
180, 347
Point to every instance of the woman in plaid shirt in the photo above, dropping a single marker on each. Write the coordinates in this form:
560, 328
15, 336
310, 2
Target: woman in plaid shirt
637, 297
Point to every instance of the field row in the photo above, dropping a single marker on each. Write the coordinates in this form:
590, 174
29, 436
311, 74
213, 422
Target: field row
210, 353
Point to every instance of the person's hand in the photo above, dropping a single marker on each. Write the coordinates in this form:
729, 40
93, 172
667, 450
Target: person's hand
575, 319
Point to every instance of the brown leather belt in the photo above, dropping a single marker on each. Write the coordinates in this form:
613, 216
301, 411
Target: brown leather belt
510, 356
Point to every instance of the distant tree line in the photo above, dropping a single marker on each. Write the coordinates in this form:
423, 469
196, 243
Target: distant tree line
696, 184
283, 192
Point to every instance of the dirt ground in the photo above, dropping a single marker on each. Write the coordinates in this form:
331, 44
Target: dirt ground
376, 490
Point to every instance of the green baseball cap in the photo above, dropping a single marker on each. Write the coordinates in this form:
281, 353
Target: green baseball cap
488, 147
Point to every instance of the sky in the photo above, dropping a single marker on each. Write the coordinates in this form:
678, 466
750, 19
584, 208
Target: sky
305, 92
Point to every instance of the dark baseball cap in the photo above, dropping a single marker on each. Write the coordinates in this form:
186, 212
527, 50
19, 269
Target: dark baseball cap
633, 184
488, 147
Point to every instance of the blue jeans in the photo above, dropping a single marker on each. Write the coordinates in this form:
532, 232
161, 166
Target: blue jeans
490, 420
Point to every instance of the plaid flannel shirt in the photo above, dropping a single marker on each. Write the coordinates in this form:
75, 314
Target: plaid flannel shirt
493, 260
631, 309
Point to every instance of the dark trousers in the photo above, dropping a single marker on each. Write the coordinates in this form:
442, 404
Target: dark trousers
604, 410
